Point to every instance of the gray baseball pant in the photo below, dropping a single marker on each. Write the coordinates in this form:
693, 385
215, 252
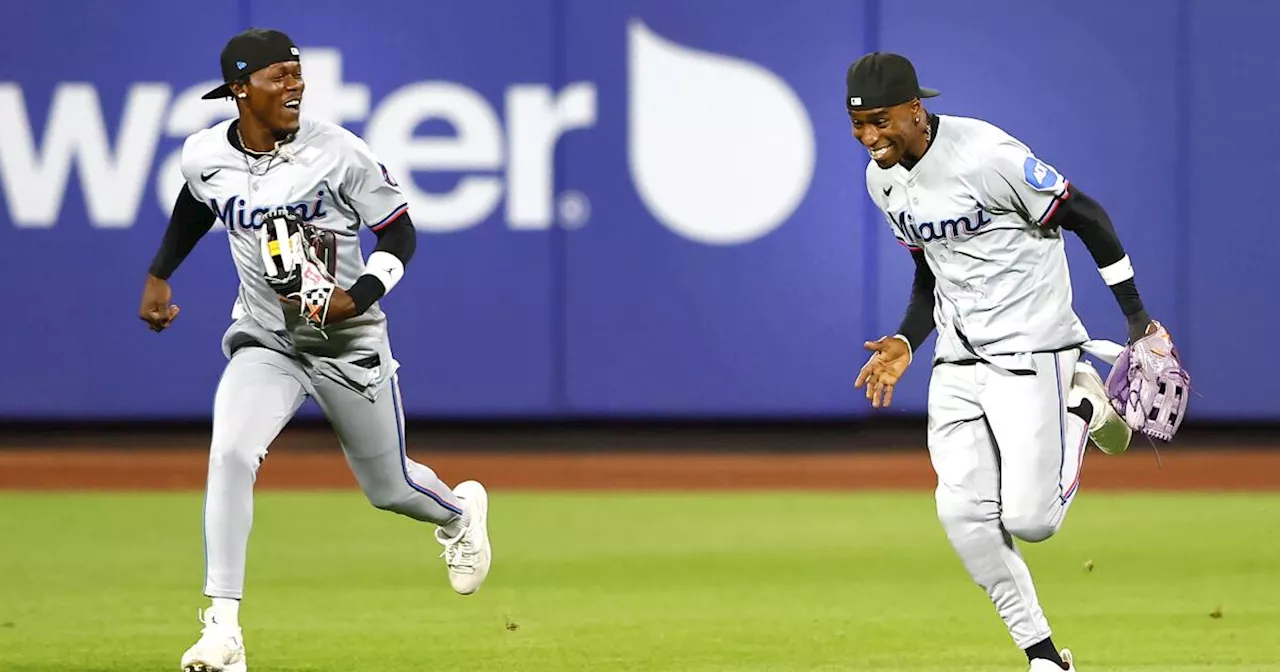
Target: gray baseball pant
258, 394
1008, 457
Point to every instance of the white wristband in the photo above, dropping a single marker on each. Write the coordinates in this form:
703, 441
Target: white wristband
386, 267
1118, 272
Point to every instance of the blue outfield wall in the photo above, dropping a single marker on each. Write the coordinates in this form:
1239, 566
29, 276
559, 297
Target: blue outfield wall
632, 208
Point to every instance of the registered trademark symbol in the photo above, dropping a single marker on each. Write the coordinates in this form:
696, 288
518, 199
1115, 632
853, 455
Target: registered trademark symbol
574, 209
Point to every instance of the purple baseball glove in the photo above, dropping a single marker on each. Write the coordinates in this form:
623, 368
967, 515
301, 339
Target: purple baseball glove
1148, 386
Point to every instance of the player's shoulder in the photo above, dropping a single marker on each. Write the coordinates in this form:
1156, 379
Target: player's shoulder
978, 147
206, 148
979, 138
207, 141
330, 134
972, 130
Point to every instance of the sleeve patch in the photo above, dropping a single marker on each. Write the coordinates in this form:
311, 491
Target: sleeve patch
1039, 175
386, 176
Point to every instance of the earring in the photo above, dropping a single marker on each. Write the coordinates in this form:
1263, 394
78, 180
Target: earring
917, 118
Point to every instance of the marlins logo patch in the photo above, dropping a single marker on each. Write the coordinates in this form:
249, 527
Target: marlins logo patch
1039, 174
386, 176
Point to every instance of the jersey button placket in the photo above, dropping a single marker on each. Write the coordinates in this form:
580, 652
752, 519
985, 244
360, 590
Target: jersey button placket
911, 215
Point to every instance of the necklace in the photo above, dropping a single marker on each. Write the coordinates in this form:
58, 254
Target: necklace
246, 148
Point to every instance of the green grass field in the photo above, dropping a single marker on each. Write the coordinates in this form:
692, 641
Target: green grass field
644, 582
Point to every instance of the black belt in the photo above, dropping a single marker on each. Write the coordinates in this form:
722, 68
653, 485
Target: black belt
979, 360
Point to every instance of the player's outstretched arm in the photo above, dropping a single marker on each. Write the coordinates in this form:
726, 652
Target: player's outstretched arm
188, 223
1082, 215
892, 354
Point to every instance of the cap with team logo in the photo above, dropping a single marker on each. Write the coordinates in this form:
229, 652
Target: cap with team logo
882, 79
250, 51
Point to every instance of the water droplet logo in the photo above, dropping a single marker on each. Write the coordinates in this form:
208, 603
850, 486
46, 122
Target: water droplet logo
721, 150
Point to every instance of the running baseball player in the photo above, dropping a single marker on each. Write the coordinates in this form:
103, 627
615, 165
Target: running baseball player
293, 195
1011, 404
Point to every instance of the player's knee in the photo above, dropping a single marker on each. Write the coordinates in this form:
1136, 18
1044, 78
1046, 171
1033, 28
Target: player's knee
1030, 527
958, 512
232, 455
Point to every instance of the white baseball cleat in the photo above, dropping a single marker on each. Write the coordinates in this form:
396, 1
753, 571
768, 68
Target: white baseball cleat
469, 554
1042, 665
220, 648
1107, 429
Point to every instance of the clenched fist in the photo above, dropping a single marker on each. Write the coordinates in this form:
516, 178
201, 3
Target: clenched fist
156, 310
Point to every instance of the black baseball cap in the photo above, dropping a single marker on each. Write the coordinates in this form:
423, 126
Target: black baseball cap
882, 79
250, 51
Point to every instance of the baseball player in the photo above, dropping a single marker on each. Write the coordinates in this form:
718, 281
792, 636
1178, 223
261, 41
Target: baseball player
1011, 403
293, 195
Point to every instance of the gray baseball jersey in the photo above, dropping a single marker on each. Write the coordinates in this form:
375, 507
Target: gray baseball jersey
975, 204
1006, 449
332, 180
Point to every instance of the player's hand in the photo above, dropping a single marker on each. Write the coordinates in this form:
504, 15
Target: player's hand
156, 310
341, 306
889, 359
1140, 325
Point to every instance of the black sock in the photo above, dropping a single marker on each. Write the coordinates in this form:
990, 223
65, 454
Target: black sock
1044, 649
1083, 410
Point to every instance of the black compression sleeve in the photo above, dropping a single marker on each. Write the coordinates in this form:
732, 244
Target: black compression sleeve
399, 238
917, 323
1089, 220
187, 225
1086, 217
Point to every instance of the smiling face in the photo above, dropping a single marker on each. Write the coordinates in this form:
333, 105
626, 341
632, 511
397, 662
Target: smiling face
273, 97
890, 133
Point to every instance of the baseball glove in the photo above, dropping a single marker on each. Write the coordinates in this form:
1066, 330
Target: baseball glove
1148, 386
298, 264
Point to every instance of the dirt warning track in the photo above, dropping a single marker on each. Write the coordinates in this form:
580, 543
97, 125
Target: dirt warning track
305, 460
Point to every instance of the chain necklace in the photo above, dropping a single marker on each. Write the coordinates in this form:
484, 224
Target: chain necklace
252, 151
268, 158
